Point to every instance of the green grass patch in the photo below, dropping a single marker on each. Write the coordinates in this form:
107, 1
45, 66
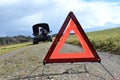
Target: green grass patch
104, 40
8, 48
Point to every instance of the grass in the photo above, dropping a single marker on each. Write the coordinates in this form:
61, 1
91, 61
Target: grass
8, 48
104, 40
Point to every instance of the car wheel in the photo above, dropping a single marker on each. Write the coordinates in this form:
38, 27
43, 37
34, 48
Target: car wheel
50, 40
35, 42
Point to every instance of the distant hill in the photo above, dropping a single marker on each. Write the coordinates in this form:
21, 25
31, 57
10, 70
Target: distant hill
14, 40
104, 40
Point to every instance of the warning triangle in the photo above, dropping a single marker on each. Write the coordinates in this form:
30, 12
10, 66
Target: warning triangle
71, 24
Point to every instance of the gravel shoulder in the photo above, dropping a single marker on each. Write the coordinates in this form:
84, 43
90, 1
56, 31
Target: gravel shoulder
26, 64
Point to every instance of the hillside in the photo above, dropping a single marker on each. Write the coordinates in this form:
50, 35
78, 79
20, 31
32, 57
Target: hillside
104, 40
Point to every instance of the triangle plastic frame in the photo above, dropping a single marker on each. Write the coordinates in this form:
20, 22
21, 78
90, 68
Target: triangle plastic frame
89, 54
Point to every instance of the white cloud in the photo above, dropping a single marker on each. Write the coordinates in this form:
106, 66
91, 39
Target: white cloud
27, 22
92, 14
103, 12
8, 2
31, 19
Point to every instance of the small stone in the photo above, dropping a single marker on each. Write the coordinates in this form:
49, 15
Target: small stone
50, 77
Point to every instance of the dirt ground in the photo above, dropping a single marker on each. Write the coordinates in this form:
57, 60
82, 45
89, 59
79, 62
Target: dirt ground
26, 64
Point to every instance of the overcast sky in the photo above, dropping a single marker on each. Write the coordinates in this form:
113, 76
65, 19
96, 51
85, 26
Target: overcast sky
18, 16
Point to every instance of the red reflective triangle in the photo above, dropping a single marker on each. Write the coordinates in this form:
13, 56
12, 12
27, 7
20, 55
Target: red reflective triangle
54, 55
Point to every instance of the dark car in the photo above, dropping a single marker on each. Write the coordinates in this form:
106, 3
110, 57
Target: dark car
41, 32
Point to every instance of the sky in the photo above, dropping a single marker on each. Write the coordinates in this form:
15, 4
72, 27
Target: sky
18, 16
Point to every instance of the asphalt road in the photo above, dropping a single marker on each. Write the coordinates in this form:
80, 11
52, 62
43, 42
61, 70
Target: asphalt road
26, 64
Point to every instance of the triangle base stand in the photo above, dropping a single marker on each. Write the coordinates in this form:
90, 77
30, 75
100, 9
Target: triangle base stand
79, 72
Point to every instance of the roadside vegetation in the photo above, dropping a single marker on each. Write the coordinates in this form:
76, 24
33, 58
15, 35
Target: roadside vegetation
14, 40
104, 40
8, 48
8, 43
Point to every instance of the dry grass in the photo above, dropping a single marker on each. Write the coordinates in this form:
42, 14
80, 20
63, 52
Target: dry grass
8, 48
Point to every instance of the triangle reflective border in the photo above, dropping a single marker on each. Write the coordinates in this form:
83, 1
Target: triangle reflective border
71, 24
